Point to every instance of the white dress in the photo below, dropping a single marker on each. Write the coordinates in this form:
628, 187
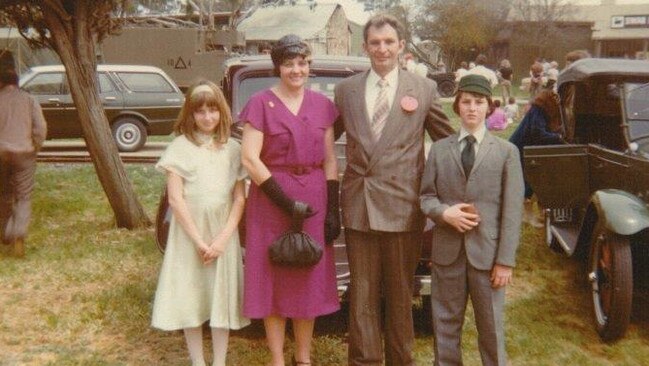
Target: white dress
189, 292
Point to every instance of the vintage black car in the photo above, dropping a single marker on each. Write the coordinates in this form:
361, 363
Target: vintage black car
245, 76
595, 188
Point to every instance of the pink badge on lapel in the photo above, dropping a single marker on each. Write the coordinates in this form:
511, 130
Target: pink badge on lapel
271, 104
409, 104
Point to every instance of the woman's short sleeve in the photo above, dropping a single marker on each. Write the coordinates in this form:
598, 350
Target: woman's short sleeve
253, 112
176, 159
332, 113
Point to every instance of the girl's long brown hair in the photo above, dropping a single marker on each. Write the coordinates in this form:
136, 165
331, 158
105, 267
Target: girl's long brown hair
186, 125
548, 101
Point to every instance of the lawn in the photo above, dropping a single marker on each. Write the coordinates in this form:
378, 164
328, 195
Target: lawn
82, 295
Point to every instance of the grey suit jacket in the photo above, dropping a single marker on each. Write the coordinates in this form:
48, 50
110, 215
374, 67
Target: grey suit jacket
380, 187
495, 187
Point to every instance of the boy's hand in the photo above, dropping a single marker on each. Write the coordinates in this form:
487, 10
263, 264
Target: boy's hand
462, 216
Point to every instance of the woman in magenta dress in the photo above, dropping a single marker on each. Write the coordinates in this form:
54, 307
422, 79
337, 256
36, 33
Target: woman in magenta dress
288, 150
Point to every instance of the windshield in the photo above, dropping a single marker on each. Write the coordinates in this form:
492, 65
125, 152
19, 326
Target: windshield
249, 86
636, 98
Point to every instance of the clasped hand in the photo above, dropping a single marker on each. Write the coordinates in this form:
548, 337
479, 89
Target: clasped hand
461, 220
209, 253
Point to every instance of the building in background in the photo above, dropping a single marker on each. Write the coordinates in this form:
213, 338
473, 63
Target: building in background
323, 26
619, 30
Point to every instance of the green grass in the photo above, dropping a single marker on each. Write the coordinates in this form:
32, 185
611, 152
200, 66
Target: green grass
83, 294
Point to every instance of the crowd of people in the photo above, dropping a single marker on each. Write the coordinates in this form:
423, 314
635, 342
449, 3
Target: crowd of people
471, 185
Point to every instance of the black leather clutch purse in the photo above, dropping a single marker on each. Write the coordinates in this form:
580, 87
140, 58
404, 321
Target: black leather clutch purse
295, 248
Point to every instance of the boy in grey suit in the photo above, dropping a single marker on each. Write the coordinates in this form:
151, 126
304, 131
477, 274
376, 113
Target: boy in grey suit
472, 189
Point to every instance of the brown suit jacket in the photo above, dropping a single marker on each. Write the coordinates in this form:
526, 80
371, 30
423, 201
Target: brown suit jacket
380, 188
495, 187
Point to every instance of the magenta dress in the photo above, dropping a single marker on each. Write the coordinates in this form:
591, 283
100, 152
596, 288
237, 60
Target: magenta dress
289, 140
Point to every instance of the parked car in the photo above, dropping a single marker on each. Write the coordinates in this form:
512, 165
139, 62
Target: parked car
138, 101
595, 188
244, 77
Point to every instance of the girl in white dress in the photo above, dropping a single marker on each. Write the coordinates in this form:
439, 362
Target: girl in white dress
202, 274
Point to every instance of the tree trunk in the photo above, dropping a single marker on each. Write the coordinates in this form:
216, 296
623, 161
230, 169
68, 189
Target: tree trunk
75, 44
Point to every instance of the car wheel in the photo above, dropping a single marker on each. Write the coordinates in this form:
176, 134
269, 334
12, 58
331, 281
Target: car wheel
129, 134
446, 88
162, 222
611, 278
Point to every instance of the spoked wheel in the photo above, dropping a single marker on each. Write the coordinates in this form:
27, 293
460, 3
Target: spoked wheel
611, 277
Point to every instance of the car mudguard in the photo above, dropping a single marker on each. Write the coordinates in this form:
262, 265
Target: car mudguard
620, 211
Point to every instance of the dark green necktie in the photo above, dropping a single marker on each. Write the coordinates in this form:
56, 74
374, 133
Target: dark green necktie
468, 156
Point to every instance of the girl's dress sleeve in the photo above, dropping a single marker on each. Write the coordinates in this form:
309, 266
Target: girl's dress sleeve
176, 159
237, 168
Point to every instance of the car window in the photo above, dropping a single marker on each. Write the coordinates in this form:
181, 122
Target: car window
46, 83
145, 82
105, 84
249, 86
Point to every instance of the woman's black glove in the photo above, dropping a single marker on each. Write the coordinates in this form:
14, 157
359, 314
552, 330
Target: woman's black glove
332, 219
295, 209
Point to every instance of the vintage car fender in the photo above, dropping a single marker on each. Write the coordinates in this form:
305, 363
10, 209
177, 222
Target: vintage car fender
620, 211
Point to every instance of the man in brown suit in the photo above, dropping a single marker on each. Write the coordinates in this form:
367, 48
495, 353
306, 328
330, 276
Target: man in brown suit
384, 112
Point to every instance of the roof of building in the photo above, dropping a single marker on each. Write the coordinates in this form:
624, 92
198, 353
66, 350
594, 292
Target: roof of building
270, 23
602, 15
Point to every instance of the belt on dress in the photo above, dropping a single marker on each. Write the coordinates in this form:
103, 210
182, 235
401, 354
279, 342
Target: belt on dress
296, 169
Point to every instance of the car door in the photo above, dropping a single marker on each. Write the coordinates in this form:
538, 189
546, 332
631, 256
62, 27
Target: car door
111, 97
558, 174
50, 91
608, 169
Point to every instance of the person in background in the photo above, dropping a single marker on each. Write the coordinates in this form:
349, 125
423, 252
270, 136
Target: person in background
482, 69
505, 77
408, 61
575, 55
385, 113
536, 79
472, 189
552, 75
288, 150
460, 72
540, 126
511, 110
22, 133
263, 48
201, 277
497, 120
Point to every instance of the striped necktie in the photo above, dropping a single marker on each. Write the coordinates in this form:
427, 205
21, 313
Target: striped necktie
381, 109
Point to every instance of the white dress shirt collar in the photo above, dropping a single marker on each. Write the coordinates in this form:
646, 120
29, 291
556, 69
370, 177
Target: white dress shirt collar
372, 89
479, 135
392, 78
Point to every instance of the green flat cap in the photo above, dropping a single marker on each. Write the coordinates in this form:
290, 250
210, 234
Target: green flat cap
475, 84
